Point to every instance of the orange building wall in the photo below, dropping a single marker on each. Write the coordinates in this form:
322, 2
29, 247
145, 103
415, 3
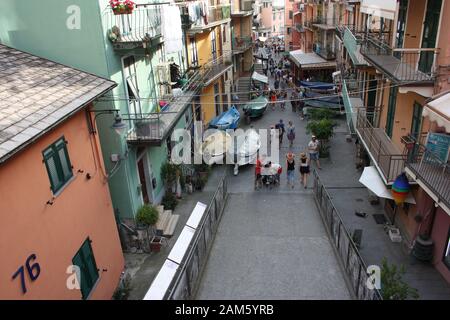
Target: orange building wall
443, 82
56, 232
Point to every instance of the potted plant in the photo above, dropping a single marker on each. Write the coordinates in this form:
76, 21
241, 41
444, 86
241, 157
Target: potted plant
169, 201
323, 130
169, 172
122, 7
147, 216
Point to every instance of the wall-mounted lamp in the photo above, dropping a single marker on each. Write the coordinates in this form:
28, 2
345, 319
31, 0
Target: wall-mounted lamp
118, 126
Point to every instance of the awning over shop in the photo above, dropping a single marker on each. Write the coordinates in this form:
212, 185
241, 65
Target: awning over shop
259, 77
438, 110
372, 180
310, 60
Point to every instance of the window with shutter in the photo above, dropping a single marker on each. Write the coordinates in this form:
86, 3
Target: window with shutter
88, 275
57, 162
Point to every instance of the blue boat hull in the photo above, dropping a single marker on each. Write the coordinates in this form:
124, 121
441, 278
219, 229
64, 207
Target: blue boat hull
227, 120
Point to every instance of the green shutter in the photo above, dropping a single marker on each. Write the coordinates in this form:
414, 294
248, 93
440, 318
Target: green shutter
58, 164
52, 169
85, 260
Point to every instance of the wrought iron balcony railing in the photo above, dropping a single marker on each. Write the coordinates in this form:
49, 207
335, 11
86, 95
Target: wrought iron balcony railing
325, 52
389, 160
216, 15
154, 127
241, 44
213, 69
430, 170
136, 29
299, 27
402, 65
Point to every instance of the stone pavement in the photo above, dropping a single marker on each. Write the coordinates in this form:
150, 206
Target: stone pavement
271, 243
340, 177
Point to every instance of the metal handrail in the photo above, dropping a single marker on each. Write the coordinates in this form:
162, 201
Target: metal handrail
222, 187
318, 190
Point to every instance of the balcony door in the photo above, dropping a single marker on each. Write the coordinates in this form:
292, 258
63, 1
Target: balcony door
145, 175
401, 25
416, 120
391, 111
429, 35
213, 45
217, 98
131, 86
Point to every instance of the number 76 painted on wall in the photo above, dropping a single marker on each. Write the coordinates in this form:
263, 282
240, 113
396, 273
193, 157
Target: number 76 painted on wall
33, 270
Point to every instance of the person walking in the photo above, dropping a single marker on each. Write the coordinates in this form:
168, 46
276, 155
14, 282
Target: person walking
258, 165
281, 129
304, 169
313, 149
291, 133
290, 163
294, 98
276, 84
301, 104
273, 99
282, 99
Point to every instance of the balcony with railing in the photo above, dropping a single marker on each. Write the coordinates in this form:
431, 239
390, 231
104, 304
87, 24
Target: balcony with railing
352, 102
387, 157
325, 52
401, 65
139, 29
216, 15
323, 23
299, 27
214, 68
430, 171
154, 128
241, 8
241, 44
352, 42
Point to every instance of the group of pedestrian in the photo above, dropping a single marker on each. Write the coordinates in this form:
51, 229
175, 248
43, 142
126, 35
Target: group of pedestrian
303, 169
304, 160
297, 102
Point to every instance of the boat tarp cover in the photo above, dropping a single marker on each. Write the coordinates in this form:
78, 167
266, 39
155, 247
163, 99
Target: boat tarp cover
323, 101
317, 85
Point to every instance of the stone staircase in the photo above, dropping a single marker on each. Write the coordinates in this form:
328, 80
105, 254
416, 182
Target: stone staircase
243, 89
167, 222
259, 68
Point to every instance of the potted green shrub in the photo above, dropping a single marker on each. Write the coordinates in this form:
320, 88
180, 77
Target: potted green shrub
169, 201
169, 173
323, 129
393, 287
147, 216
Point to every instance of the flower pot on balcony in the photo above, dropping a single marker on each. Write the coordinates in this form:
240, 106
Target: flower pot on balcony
119, 11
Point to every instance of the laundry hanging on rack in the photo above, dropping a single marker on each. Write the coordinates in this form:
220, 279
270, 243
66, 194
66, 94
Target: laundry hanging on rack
171, 26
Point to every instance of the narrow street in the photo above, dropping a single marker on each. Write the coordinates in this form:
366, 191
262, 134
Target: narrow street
271, 244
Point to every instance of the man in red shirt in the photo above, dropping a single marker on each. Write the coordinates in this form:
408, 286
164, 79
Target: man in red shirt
258, 165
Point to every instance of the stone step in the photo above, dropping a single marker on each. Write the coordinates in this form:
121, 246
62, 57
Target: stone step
160, 209
171, 226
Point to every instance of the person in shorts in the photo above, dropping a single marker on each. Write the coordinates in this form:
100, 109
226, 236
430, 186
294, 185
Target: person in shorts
304, 169
313, 150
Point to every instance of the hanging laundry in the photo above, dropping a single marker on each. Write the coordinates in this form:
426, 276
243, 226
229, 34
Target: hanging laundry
171, 27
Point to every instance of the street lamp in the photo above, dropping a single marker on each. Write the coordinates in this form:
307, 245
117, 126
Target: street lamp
119, 126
